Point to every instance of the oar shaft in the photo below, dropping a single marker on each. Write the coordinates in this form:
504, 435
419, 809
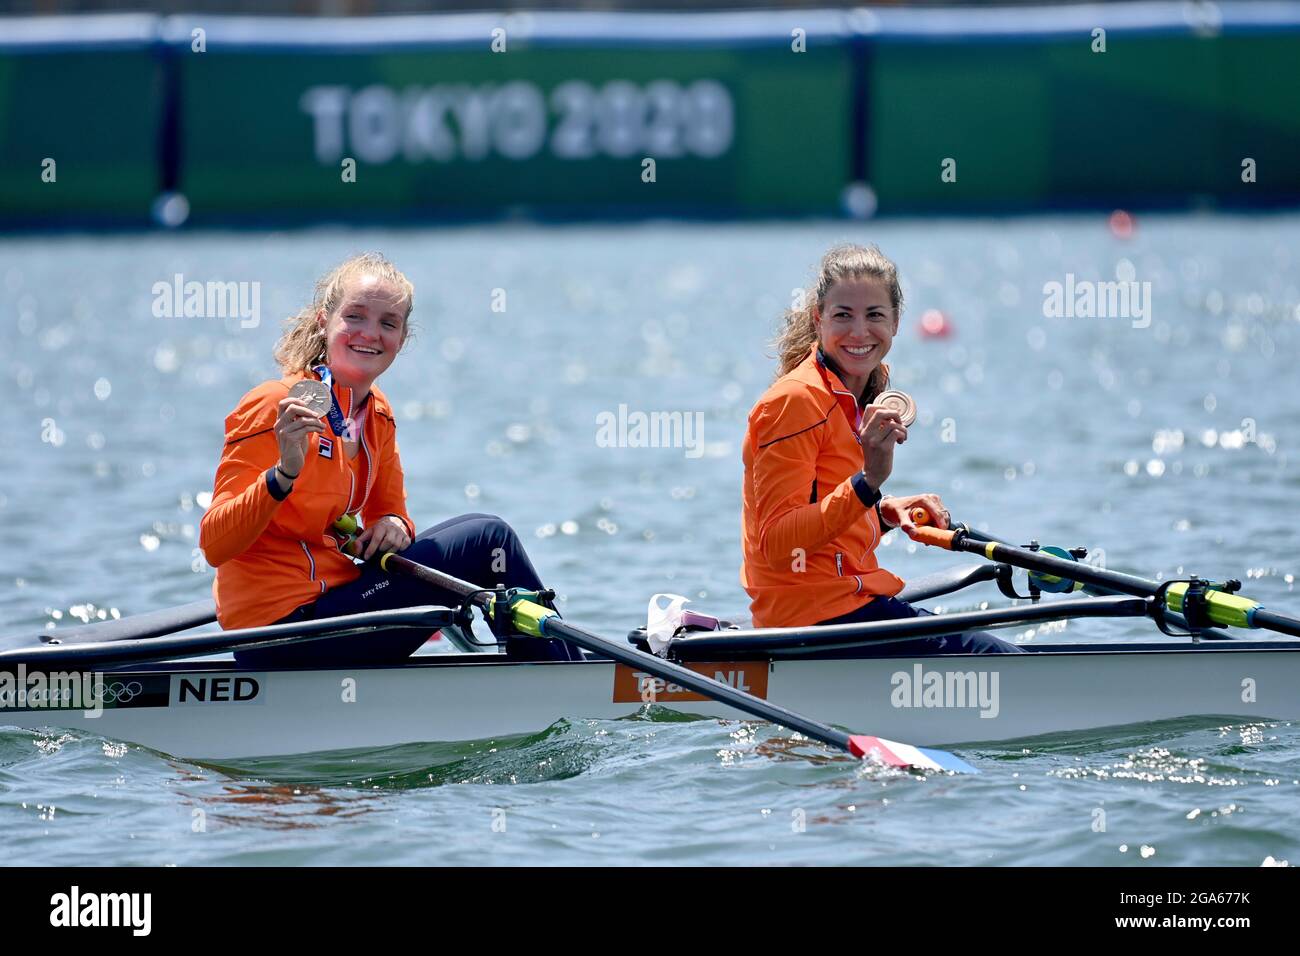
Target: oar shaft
108, 654
1223, 608
1274, 621
438, 579
549, 624
555, 626
1113, 581
878, 633
987, 546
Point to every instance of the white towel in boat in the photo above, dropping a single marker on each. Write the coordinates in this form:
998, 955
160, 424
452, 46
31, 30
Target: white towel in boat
662, 622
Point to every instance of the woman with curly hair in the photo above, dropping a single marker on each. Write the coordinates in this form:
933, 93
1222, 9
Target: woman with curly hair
320, 443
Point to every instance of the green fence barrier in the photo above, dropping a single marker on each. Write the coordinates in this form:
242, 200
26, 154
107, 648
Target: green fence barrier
1154, 120
563, 131
79, 126
779, 113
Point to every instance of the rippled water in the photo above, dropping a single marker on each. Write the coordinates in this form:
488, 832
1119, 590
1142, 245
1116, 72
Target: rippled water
645, 791
1168, 446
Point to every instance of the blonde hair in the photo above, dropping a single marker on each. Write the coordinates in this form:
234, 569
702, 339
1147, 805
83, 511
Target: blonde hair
846, 261
302, 346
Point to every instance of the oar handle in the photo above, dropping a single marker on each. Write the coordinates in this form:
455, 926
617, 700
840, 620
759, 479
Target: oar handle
935, 537
925, 531
346, 524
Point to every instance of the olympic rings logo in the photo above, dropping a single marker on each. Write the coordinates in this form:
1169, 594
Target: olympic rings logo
118, 692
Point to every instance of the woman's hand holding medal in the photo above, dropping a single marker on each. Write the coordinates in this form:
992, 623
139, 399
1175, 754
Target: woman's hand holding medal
300, 417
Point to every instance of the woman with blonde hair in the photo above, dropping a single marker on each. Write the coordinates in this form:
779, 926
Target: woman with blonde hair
818, 451
320, 443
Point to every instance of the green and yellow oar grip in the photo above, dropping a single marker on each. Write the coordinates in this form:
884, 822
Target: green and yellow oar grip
530, 617
1229, 610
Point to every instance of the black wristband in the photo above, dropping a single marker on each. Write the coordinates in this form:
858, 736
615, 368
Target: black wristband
273, 486
866, 494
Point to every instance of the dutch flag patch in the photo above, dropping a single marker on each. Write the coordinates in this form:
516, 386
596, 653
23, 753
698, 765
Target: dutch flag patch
326, 447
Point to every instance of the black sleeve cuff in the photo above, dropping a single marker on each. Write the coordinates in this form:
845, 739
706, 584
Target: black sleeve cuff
866, 494
273, 486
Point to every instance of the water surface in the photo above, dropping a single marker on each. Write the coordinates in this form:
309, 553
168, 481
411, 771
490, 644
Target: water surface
1167, 446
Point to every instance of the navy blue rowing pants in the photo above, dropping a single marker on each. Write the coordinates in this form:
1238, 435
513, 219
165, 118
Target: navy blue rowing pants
479, 548
891, 609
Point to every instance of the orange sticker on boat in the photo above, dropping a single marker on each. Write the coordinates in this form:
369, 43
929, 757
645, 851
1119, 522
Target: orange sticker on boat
633, 686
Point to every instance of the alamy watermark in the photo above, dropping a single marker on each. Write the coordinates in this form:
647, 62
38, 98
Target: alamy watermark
86, 691
208, 300
925, 689
75, 908
1085, 299
636, 429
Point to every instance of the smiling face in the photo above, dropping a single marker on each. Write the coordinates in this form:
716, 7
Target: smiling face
856, 324
364, 334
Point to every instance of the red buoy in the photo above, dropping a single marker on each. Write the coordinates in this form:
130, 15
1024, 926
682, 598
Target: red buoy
1121, 224
935, 325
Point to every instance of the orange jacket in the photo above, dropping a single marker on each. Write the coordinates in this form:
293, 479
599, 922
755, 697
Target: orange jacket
809, 539
274, 556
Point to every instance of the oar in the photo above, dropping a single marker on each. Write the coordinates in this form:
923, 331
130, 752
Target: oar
148, 624
111, 653
1220, 607
530, 617
793, 641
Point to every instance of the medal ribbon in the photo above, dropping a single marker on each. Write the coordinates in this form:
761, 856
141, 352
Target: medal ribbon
337, 423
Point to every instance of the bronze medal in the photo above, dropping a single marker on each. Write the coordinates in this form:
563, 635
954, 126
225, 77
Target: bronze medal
900, 402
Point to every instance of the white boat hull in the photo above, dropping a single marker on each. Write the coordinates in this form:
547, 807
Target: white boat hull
470, 697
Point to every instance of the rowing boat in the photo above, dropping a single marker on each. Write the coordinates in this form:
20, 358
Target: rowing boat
207, 708
212, 710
